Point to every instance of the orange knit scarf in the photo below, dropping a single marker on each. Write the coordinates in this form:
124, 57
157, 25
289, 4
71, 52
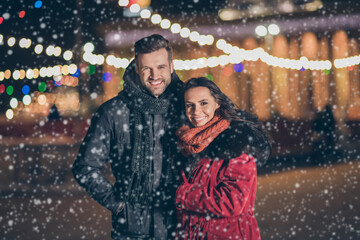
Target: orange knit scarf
194, 140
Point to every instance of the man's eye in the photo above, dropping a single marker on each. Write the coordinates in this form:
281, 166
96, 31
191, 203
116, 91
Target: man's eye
188, 105
204, 103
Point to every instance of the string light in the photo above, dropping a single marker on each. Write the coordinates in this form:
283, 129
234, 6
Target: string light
165, 24
11, 41
38, 49
156, 19
145, 13
233, 54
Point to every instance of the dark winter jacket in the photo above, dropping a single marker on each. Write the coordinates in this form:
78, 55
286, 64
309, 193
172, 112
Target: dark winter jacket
216, 198
110, 138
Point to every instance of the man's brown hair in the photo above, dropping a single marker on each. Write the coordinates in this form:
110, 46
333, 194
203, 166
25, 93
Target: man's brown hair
151, 44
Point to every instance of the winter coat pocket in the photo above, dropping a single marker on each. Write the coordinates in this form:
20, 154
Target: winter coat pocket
134, 219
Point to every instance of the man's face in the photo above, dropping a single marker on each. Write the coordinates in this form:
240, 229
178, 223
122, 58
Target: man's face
155, 71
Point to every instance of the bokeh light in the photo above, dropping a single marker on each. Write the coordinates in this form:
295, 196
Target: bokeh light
41, 99
42, 86
13, 103
156, 19
25, 89
57, 78
89, 47
50, 84
210, 77
9, 114
36, 73
165, 24
26, 100
123, 3
58, 84
22, 74
273, 29
145, 13
11, 41
16, 74
7, 74
21, 14
91, 69
72, 68
10, 90
50, 50
38, 48
57, 51
2, 88
185, 32
227, 71
67, 55
29, 74
261, 30
83, 67
134, 8
175, 28
194, 36
238, 67
107, 77
38, 4
77, 73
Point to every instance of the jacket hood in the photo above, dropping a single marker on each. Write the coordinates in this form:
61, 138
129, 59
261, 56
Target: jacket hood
240, 137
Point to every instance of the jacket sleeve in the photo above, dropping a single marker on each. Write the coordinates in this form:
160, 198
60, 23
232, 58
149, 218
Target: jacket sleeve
93, 155
229, 197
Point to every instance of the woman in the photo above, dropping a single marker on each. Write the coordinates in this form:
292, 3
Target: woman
221, 146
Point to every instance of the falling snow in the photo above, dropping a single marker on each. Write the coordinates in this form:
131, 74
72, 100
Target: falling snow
309, 188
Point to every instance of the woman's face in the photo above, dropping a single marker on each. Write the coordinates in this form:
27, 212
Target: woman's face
200, 106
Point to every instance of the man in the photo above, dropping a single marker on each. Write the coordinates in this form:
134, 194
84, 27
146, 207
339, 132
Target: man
134, 131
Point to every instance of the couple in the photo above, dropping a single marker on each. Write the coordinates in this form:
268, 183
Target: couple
205, 192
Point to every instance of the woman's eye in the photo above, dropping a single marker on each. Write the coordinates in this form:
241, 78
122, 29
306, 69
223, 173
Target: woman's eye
204, 103
188, 105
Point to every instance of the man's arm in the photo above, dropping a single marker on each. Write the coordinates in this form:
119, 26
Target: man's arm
93, 155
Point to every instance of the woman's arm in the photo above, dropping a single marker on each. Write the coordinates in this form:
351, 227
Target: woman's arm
229, 197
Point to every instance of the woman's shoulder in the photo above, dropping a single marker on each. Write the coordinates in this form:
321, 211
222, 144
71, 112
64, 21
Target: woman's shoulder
239, 138
237, 129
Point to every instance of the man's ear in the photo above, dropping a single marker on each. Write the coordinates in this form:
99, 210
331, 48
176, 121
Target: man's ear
171, 67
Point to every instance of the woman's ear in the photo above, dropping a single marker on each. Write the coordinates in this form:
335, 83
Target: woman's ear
217, 106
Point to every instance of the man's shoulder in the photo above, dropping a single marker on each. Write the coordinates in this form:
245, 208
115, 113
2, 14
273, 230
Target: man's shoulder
113, 108
114, 103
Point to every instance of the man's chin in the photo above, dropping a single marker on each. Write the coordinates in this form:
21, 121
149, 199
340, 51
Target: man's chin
156, 92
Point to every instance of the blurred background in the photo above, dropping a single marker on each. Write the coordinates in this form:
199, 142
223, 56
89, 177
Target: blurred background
293, 63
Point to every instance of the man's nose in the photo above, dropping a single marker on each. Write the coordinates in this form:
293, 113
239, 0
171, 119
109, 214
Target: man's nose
154, 73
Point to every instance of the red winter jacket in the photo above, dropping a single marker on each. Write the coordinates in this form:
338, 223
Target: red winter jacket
216, 199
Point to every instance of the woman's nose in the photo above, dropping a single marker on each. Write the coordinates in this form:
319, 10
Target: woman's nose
196, 109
